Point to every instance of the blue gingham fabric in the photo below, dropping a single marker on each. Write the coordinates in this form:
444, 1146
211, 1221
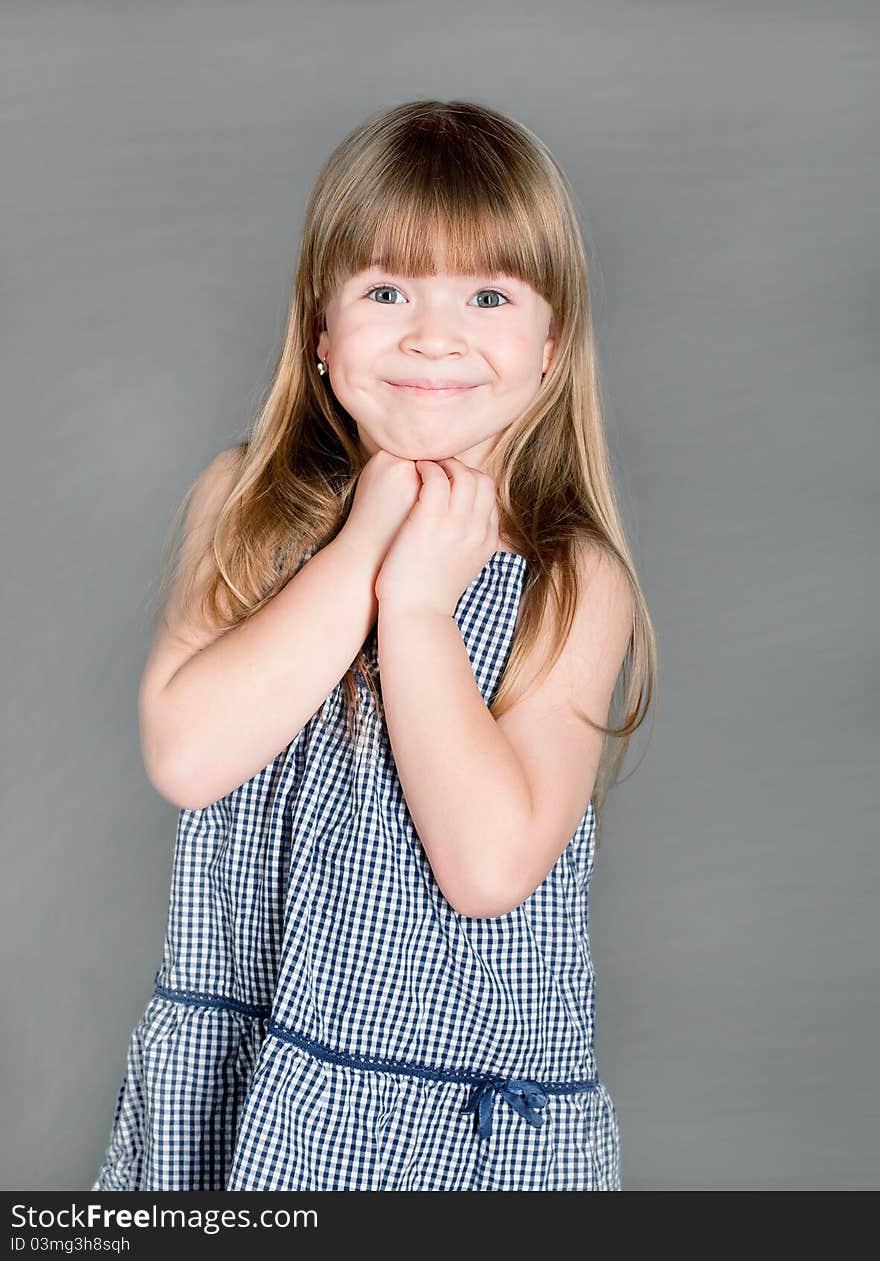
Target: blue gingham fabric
324, 1020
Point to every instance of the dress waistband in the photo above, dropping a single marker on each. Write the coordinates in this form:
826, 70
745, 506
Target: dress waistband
525, 1096
197, 998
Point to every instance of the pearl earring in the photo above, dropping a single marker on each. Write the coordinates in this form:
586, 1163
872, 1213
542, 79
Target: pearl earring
322, 367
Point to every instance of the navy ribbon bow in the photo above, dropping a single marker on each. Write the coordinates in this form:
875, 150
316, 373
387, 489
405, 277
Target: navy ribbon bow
525, 1097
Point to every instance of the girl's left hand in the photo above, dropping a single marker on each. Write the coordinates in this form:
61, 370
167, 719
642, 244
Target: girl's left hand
448, 537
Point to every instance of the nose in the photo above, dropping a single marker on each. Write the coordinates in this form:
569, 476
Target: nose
434, 332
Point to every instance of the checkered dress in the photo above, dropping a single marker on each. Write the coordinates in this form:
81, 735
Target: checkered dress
324, 1020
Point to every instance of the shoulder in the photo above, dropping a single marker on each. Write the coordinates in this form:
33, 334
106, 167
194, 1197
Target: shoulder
200, 509
603, 620
230, 458
601, 631
580, 676
602, 623
213, 485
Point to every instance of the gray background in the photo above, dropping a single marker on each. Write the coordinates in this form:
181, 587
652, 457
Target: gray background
155, 165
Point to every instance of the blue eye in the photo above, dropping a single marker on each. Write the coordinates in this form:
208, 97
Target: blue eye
497, 293
383, 289
386, 288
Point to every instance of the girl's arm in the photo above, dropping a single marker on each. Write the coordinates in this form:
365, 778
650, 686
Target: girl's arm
214, 710
495, 801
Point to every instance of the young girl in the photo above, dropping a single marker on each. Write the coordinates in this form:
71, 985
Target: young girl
377, 696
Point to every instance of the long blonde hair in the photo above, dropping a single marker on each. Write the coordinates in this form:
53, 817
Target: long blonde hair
486, 186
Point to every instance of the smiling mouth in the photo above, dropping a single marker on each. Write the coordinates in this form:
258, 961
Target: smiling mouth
421, 391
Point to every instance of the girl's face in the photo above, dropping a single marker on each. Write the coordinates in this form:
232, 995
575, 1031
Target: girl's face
490, 336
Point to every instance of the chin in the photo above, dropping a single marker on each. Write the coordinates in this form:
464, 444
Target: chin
411, 451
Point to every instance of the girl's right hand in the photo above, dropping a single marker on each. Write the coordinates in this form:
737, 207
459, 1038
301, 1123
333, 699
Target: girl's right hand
386, 492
